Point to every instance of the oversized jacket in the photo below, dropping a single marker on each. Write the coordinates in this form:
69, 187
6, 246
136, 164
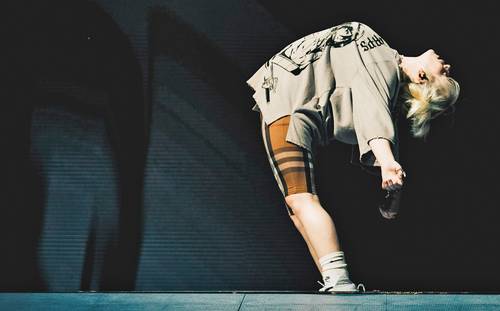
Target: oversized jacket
340, 83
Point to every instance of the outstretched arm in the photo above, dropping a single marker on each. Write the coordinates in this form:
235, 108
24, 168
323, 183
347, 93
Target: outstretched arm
391, 171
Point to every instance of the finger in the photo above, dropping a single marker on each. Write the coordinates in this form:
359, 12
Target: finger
396, 184
386, 186
390, 185
402, 174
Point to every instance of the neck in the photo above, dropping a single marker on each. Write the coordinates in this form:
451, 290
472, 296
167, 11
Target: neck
408, 65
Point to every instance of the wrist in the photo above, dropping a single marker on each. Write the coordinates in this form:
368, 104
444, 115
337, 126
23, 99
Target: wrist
381, 148
386, 163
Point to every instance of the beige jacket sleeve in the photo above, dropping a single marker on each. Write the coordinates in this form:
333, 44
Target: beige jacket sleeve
371, 90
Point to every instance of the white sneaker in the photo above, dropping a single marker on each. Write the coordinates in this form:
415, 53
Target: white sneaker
344, 287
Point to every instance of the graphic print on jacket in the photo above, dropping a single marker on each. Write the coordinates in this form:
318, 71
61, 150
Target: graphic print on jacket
372, 42
302, 52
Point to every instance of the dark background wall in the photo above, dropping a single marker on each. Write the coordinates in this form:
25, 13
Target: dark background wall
131, 159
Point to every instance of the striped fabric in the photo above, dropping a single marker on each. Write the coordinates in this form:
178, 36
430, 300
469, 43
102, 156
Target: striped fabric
292, 165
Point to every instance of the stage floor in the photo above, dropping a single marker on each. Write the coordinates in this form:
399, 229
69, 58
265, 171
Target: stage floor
245, 300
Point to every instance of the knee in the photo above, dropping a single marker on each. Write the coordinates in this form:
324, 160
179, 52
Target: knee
299, 202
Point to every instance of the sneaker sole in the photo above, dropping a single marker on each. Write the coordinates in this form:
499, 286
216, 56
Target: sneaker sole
342, 289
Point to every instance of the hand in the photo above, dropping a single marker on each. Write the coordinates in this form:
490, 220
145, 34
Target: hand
392, 176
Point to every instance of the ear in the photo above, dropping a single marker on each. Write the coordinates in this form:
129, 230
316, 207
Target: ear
422, 77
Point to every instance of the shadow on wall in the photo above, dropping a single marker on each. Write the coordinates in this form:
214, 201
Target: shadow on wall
170, 36
72, 48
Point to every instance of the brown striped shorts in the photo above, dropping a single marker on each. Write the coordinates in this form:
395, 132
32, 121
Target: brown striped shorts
292, 165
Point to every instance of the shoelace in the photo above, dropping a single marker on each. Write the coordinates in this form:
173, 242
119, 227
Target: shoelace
360, 285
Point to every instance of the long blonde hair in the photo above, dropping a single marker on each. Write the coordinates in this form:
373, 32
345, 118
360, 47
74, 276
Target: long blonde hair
423, 102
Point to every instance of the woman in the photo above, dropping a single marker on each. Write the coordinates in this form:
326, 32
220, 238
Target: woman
343, 83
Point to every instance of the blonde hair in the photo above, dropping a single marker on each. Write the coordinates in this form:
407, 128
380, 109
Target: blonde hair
423, 102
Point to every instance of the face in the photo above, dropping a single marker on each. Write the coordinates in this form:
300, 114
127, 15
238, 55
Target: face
433, 65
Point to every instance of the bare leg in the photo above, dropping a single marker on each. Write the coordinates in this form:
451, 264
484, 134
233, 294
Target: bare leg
315, 225
300, 227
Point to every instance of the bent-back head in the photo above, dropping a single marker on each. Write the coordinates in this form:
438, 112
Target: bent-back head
432, 66
429, 90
